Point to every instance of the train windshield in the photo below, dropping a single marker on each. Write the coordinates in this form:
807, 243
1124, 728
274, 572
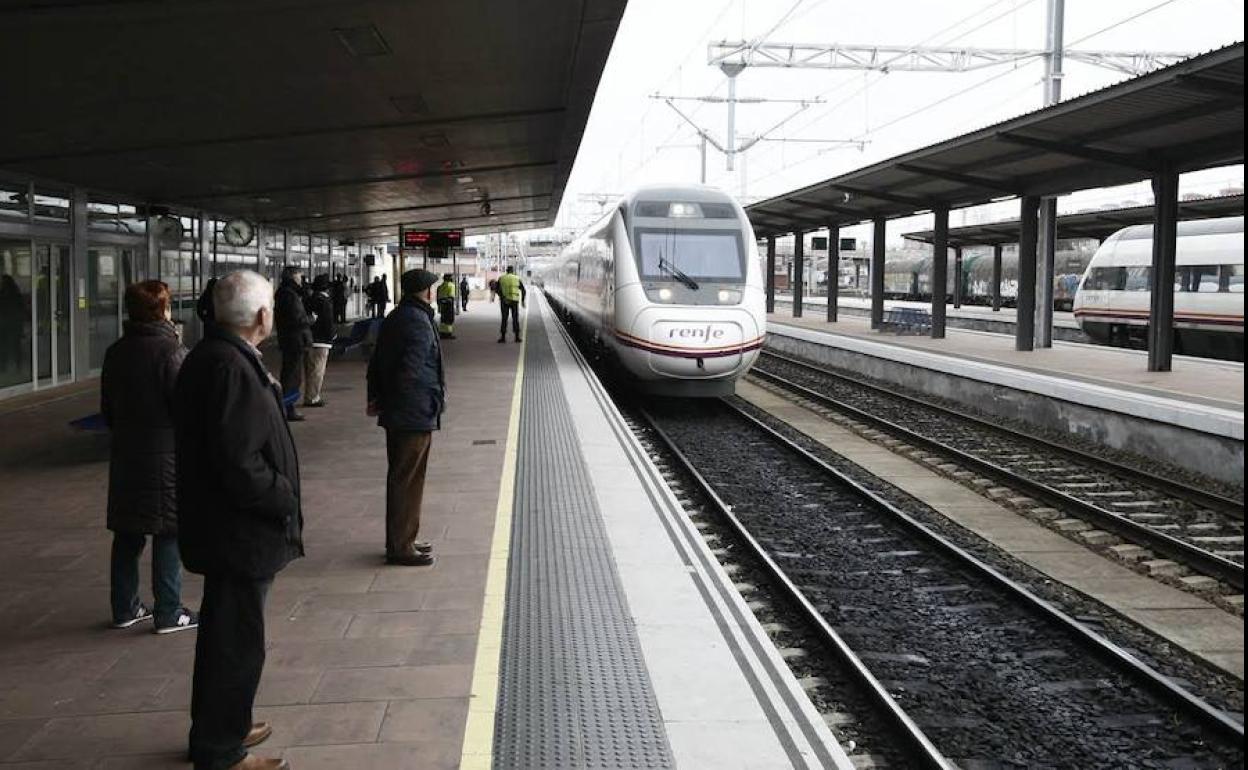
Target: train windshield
689, 256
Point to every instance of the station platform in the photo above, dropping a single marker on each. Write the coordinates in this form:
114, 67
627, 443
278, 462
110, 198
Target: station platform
974, 317
574, 617
1192, 416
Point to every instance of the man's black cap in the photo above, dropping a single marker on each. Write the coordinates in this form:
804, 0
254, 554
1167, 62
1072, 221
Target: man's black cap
416, 281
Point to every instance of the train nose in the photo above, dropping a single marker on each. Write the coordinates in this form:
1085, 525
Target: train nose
694, 348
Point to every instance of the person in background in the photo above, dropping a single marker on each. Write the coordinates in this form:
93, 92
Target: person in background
370, 298
446, 307
203, 306
240, 520
406, 393
464, 290
492, 288
383, 297
294, 335
136, 400
339, 297
320, 307
511, 295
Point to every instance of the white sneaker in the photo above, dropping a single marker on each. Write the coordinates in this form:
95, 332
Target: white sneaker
185, 621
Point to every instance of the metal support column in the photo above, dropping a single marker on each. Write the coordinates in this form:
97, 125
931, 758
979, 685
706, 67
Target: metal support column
262, 254
771, 274
834, 269
997, 248
799, 272
1025, 319
877, 272
940, 269
1165, 237
1044, 272
957, 277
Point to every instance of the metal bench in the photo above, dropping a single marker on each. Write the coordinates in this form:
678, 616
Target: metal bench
362, 333
908, 320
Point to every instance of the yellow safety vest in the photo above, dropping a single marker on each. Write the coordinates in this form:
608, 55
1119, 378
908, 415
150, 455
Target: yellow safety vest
446, 289
509, 287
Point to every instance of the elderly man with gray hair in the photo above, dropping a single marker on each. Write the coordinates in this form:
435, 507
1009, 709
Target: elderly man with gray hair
239, 515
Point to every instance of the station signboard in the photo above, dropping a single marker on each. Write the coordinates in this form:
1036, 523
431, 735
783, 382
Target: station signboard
431, 239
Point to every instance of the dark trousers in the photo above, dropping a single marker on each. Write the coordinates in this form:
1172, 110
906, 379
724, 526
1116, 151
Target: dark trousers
513, 308
166, 576
463, 301
292, 371
340, 312
229, 656
407, 453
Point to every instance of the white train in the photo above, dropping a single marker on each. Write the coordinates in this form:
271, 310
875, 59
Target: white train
669, 283
1113, 298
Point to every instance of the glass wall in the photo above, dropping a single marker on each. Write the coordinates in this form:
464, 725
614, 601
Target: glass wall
15, 312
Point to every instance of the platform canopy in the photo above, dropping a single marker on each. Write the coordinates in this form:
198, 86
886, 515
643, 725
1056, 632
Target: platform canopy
1186, 117
1097, 225
322, 115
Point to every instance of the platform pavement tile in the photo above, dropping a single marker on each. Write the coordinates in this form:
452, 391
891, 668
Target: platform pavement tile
51, 764
726, 745
309, 624
1129, 591
15, 732
48, 664
365, 601
337, 653
426, 622
449, 571
96, 736
394, 683
116, 695
427, 721
1021, 537
322, 724
323, 583
453, 599
416, 756
163, 761
1198, 629
1231, 660
443, 650
1070, 561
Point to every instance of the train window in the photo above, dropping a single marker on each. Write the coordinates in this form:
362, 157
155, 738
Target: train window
1138, 279
1233, 278
1106, 279
705, 254
1201, 278
14, 202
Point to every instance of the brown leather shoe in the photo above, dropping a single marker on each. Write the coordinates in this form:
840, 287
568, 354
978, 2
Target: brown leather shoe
252, 762
258, 734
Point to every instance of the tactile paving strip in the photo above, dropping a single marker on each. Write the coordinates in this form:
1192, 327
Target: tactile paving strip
573, 686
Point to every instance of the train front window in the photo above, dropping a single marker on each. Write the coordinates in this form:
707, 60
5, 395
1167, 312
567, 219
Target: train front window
690, 256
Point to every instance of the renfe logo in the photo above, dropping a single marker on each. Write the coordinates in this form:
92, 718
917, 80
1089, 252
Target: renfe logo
706, 333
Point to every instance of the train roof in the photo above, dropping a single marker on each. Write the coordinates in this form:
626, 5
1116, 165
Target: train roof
1224, 225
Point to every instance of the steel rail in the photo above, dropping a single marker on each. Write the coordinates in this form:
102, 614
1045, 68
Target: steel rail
1167, 545
920, 745
1160, 684
1227, 505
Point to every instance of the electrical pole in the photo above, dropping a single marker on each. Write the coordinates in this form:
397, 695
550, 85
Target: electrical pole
1045, 265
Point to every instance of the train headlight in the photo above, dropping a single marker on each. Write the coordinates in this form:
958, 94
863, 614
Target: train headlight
684, 210
729, 297
665, 295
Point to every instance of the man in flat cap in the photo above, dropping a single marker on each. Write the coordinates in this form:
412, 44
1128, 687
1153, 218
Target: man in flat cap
406, 392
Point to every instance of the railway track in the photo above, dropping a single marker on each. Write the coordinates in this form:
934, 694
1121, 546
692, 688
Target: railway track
967, 667
1191, 528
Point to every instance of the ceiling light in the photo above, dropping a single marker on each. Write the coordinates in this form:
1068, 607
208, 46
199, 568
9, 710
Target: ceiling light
464, 180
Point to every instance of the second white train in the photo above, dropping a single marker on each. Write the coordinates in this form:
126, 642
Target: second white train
669, 282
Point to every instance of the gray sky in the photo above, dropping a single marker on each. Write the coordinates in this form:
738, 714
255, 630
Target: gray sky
632, 139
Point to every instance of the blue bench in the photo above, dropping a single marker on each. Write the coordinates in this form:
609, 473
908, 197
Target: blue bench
362, 332
94, 423
909, 320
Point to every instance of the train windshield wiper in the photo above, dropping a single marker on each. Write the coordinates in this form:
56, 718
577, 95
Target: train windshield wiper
676, 273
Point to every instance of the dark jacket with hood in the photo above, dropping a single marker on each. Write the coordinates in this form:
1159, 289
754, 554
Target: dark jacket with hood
321, 308
405, 378
136, 400
294, 325
238, 475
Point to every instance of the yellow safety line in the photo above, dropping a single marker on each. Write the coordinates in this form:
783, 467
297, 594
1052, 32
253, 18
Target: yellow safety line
478, 749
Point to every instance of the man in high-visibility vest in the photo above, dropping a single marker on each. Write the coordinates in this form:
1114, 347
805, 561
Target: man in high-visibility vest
446, 307
511, 295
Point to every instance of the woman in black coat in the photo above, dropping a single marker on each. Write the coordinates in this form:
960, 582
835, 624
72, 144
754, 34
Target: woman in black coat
137, 386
